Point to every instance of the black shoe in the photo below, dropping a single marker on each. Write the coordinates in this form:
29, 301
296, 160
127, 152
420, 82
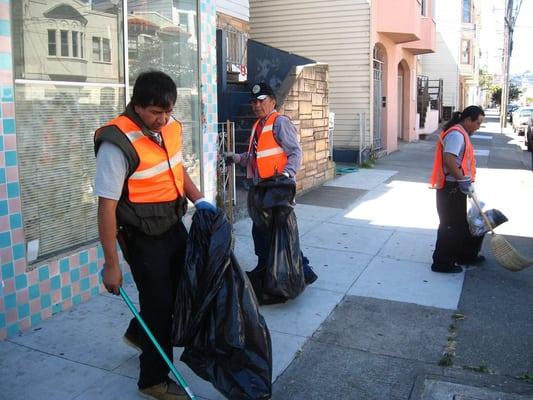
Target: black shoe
455, 269
309, 276
472, 261
132, 340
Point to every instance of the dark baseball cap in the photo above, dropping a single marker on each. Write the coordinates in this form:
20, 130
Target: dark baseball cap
261, 90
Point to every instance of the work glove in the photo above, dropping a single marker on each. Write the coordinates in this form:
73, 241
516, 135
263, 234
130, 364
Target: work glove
231, 158
465, 186
203, 204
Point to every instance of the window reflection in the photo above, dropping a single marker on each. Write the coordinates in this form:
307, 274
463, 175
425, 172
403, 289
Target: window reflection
163, 35
62, 94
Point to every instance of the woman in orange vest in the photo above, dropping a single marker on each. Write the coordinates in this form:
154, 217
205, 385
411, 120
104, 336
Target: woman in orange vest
454, 170
273, 149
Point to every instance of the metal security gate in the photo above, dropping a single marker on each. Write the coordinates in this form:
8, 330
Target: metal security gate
226, 189
378, 92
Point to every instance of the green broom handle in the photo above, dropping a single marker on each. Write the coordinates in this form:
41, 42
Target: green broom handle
173, 369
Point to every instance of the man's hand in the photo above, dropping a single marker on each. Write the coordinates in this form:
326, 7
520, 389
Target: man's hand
231, 158
112, 278
203, 204
465, 185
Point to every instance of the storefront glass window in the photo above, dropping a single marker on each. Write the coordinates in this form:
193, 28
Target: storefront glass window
159, 39
61, 96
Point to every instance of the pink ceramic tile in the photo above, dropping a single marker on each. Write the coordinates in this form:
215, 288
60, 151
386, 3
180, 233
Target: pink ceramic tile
3, 190
11, 316
74, 260
14, 206
65, 278
22, 296
56, 297
66, 304
45, 287
9, 286
2, 159
75, 288
4, 11
46, 313
6, 255
53, 268
4, 223
33, 277
25, 324
10, 142
93, 281
8, 110
5, 46
1, 304
12, 174
3, 334
17, 235
84, 271
85, 296
35, 306
20, 266
92, 254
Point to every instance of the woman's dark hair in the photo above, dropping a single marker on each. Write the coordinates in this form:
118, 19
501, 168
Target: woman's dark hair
154, 88
472, 112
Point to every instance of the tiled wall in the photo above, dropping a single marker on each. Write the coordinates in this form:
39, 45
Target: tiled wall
27, 298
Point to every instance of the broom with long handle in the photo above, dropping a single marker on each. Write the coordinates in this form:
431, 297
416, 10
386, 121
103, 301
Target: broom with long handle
507, 255
173, 369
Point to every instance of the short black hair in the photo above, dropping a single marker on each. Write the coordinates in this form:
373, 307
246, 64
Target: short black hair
154, 88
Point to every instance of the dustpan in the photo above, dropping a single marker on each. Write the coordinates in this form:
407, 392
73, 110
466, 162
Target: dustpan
506, 255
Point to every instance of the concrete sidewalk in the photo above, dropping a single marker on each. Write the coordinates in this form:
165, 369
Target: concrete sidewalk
369, 236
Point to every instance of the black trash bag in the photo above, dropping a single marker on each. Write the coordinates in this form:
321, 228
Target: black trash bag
476, 222
271, 207
216, 316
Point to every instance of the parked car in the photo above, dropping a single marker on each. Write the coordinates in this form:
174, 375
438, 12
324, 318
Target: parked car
528, 137
521, 118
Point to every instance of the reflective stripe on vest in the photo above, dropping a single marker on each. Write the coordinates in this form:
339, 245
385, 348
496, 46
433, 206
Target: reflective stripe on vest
468, 163
271, 158
159, 176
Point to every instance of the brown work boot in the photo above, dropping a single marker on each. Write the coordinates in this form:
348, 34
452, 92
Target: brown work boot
164, 391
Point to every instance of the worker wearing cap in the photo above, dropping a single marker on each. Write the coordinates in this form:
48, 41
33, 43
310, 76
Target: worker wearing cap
273, 150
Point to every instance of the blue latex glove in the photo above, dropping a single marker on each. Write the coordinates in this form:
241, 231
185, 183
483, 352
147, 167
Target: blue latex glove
465, 186
203, 204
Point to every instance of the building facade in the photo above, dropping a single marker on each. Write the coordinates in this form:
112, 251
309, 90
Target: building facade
68, 67
456, 60
371, 49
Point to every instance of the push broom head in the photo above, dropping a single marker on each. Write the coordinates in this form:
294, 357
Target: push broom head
507, 255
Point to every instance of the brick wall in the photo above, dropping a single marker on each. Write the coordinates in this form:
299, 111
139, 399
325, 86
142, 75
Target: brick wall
306, 103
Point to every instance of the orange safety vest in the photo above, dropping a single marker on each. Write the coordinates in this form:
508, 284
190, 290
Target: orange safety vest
271, 158
159, 175
468, 163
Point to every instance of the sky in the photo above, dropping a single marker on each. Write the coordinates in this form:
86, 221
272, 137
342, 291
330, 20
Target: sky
521, 59
492, 35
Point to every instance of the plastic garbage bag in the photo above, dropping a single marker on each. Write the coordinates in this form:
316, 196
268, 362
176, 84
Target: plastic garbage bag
477, 224
216, 315
271, 207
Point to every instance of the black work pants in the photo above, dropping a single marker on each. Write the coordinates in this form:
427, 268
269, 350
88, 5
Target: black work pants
455, 243
155, 262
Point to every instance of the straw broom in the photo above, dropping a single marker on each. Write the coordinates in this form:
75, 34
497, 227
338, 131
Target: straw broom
507, 255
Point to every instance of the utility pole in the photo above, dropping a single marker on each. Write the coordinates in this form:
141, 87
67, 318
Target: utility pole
511, 13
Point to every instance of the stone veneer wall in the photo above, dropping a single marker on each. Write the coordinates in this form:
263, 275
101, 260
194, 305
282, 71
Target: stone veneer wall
306, 103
